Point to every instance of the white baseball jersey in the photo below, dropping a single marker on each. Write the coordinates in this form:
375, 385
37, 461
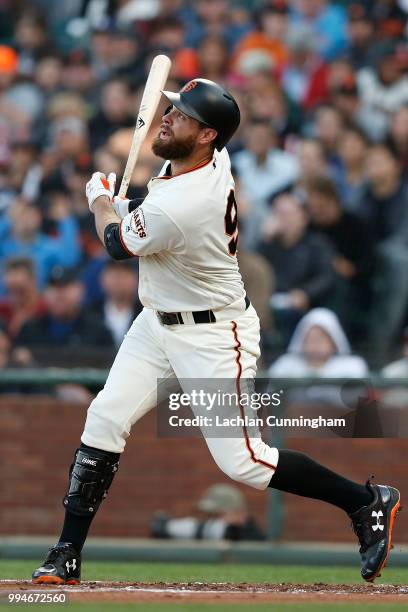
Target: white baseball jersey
185, 233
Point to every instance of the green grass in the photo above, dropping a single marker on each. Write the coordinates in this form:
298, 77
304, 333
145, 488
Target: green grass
176, 572
202, 572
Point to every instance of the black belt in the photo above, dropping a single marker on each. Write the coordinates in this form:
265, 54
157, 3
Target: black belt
199, 316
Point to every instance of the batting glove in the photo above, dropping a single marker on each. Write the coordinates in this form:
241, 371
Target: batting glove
121, 206
98, 186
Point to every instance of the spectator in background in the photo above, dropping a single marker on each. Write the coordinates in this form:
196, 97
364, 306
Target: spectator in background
304, 77
319, 347
167, 33
101, 44
310, 154
267, 101
65, 104
31, 39
300, 259
48, 75
327, 21
129, 56
224, 515
390, 17
345, 99
23, 94
68, 142
350, 176
328, 127
78, 76
352, 256
69, 136
213, 59
384, 206
266, 46
383, 202
361, 34
21, 236
263, 170
340, 71
75, 182
214, 17
22, 302
384, 90
346, 231
24, 171
121, 305
114, 113
14, 121
65, 325
263, 167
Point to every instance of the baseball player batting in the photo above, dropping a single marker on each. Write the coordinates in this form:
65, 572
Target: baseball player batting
196, 321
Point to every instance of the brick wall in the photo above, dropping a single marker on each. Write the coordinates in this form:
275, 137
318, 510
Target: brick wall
38, 436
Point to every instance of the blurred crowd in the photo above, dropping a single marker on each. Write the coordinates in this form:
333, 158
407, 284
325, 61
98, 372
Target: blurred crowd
320, 162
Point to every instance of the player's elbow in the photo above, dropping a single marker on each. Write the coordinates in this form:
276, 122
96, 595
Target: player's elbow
113, 243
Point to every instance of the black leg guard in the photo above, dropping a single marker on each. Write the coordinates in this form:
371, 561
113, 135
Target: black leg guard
90, 477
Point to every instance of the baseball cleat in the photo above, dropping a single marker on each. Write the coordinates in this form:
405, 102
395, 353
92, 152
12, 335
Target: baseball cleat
61, 566
373, 526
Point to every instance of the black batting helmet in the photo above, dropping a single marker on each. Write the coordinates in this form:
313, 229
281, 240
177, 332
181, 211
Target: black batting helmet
210, 104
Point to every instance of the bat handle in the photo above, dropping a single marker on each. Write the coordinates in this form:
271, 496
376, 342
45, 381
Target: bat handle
123, 187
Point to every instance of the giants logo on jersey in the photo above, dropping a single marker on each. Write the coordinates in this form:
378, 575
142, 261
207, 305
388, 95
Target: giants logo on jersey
139, 223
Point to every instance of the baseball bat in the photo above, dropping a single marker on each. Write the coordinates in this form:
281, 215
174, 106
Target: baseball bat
156, 80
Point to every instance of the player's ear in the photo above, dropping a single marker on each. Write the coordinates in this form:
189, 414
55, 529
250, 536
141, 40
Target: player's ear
207, 135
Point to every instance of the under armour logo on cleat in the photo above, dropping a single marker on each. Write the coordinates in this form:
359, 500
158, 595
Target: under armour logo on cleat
377, 525
70, 566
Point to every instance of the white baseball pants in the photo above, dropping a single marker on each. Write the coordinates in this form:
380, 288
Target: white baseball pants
226, 349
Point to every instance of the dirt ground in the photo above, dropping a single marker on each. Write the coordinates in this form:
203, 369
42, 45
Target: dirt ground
131, 592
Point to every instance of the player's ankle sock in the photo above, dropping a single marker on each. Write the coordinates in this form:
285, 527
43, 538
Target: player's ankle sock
75, 528
299, 474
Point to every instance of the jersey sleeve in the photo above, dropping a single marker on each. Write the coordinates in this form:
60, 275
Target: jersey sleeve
148, 230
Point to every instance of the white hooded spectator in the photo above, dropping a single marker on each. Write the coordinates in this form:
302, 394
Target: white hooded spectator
319, 348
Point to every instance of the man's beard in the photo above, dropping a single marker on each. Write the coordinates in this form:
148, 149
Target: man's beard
173, 148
